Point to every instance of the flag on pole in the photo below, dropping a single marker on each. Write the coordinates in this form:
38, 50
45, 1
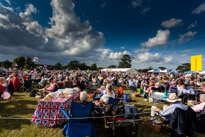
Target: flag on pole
15, 64
35, 59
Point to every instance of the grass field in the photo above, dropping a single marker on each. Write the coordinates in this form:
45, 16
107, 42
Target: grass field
23, 106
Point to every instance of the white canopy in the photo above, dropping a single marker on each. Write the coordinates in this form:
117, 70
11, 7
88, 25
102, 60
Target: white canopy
119, 70
203, 72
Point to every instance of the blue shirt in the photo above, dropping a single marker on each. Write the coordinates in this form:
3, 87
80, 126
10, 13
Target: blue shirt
170, 110
131, 83
188, 90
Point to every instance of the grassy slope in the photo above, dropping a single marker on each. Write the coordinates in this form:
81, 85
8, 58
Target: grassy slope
23, 106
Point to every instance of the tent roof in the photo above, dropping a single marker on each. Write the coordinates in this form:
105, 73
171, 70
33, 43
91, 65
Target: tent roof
119, 69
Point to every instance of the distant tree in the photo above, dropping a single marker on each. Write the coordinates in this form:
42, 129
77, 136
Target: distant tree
150, 68
58, 66
125, 62
6, 64
112, 66
162, 68
26, 66
99, 68
83, 66
29, 63
184, 67
20, 61
73, 65
93, 67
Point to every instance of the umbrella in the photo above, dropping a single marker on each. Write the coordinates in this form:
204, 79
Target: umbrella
164, 71
173, 71
190, 72
156, 70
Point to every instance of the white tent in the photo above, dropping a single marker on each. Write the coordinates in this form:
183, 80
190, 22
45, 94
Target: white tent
131, 70
164, 71
203, 72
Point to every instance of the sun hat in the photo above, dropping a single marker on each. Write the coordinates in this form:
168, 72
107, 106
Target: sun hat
173, 98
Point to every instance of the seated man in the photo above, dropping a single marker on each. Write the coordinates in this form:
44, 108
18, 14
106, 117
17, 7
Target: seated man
131, 84
105, 98
186, 90
42, 83
200, 107
176, 103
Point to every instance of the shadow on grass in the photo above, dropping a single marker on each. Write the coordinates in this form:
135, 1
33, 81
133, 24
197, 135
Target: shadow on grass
18, 108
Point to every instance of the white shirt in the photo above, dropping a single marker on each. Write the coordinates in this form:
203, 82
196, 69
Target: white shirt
105, 97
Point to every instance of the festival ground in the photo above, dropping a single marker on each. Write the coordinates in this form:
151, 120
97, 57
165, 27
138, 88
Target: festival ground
23, 106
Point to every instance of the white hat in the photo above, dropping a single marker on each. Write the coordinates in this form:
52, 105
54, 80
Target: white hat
173, 98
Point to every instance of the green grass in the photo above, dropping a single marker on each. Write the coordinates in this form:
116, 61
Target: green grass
23, 106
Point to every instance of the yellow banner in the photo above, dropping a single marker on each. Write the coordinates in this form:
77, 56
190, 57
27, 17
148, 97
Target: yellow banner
196, 63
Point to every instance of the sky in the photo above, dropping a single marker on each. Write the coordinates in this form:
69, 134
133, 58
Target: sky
153, 32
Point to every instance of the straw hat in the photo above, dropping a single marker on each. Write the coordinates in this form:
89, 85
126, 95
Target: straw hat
173, 98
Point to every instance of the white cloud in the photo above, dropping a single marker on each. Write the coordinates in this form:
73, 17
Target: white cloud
192, 25
145, 10
172, 23
109, 54
103, 52
122, 47
30, 9
152, 58
161, 38
141, 50
136, 3
4, 17
118, 55
168, 59
187, 36
199, 9
67, 36
8, 1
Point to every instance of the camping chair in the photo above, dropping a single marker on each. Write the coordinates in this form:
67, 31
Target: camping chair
79, 127
200, 122
27, 86
182, 123
115, 124
119, 96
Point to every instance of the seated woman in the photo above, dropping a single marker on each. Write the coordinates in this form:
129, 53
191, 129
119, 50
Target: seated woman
120, 81
200, 107
202, 89
49, 88
67, 83
105, 98
3, 85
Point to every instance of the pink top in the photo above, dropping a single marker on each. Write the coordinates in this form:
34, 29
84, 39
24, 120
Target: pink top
52, 87
199, 107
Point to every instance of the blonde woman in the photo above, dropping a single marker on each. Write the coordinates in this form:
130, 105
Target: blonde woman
105, 98
67, 83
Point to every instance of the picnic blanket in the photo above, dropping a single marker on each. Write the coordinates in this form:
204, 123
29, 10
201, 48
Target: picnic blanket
48, 112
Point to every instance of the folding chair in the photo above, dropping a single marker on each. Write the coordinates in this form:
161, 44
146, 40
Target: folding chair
78, 127
27, 86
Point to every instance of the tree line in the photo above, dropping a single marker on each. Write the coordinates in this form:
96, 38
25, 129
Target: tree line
125, 62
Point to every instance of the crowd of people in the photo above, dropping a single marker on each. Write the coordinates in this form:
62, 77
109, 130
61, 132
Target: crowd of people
182, 87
